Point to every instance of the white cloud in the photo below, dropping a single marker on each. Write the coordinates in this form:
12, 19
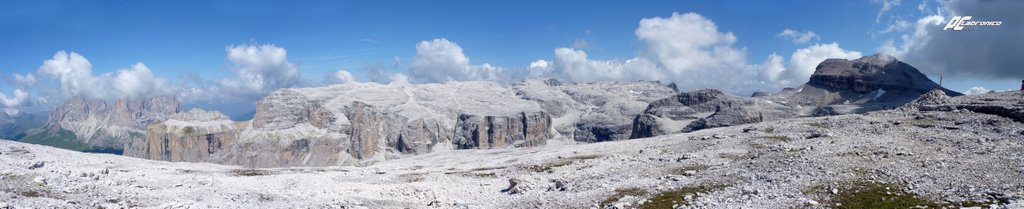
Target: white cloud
260, 69
687, 42
341, 77
73, 76
687, 49
19, 98
976, 90
139, 82
24, 80
539, 68
773, 67
399, 79
798, 37
886, 6
804, 61
918, 39
574, 65
440, 60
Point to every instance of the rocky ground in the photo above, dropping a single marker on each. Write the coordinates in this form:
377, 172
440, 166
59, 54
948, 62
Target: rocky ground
893, 159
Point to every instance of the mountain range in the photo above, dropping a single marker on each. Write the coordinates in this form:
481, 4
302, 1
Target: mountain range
363, 123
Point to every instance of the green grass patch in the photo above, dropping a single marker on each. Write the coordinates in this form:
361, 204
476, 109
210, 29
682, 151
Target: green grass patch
868, 195
620, 193
677, 197
769, 130
64, 139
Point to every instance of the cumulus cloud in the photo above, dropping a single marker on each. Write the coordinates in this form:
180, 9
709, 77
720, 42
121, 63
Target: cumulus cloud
804, 61
689, 50
684, 48
976, 90
73, 76
139, 82
18, 98
260, 69
340, 77
798, 37
440, 60
987, 53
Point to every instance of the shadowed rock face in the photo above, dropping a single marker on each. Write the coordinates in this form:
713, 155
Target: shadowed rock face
702, 109
593, 112
519, 130
117, 126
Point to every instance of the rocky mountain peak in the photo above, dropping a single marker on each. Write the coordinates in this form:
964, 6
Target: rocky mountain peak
871, 73
878, 59
109, 125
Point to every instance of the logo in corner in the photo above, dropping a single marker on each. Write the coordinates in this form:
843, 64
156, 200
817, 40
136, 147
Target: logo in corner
961, 23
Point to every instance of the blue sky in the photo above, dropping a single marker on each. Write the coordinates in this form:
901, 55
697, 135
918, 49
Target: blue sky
185, 42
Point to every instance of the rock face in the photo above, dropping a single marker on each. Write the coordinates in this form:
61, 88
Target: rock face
118, 126
192, 136
519, 130
840, 86
593, 112
363, 123
702, 109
